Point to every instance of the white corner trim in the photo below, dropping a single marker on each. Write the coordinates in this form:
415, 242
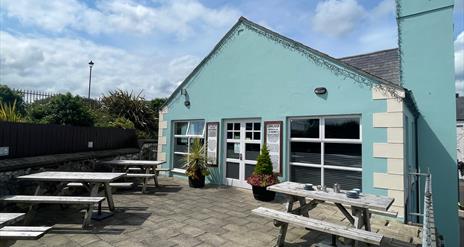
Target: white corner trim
388, 181
388, 150
387, 119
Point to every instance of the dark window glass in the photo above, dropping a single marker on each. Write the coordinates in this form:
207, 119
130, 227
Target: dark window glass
251, 151
230, 126
302, 174
229, 135
179, 161
257, 136
236, 126
181, 145
249, 126
342, 128
237, 135
232, 170
249, 135
347, 179
257, 126
348, 155
181, 128
305, 128
249, 170
230, 151
305, 152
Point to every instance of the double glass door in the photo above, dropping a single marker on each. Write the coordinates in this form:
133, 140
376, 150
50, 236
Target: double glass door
242, 144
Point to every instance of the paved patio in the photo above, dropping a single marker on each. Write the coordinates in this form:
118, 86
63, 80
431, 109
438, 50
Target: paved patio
176, 215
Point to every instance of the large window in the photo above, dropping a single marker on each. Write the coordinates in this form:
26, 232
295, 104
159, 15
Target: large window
326, 150
184, 134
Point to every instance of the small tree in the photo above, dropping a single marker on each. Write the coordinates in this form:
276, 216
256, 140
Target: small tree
10, 97
263, 162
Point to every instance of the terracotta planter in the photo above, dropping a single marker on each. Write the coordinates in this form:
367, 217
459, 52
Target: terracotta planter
198, 182
262, 194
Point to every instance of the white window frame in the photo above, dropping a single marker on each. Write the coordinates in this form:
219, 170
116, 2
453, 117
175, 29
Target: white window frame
189, 137
322, 140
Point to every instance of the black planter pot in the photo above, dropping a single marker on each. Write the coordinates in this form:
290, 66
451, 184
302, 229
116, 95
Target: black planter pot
262, 194
198, 182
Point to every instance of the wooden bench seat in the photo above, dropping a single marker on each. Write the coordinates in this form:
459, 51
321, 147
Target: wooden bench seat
139, 175
52, 199
321, 226
115, 185
23, 232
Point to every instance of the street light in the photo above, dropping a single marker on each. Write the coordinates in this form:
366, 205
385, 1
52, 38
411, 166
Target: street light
90, 75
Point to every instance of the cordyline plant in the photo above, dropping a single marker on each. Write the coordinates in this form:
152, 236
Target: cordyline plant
196, 161
9, 113
263, 175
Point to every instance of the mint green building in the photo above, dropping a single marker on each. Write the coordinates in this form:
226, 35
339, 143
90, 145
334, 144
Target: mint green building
366, 121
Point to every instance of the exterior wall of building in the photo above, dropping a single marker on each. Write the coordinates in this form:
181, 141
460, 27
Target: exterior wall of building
256, 77
426, 48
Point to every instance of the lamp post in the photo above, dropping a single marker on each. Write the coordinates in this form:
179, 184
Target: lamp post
90, 75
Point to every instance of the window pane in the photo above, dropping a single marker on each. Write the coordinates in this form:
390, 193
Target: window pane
251, 151
249, 169
229, 135
178, 161
236, 135
305, 152
257, 136
342, 128
231, 151
236, 126
257, 126
230, 126
181, 128
302, 174
342, 155
248, 135
347, 179
196, 127
305, 128
181, 145
249, 126
232, 170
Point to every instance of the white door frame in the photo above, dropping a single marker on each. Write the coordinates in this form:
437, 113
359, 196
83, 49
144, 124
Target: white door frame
241, 182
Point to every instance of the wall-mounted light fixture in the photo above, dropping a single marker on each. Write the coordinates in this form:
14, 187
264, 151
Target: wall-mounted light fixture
183, 91
320, 90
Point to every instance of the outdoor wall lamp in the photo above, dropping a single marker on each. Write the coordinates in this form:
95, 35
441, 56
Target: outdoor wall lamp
183, 91
320, 90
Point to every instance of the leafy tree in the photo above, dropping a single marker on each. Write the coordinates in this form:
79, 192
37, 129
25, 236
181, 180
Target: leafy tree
263, 162
133, 107
157, 103
62, 109
10, 97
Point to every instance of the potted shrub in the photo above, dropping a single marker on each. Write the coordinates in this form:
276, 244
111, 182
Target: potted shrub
263, 177
196, 165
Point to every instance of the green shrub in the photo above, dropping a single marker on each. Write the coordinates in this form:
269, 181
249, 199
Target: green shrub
263, 162
10, 97
133, 107
8, 112
63, 109
122, 123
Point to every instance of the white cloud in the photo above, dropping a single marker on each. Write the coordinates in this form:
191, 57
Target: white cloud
336, 18
119, 16
459, 63
60, 65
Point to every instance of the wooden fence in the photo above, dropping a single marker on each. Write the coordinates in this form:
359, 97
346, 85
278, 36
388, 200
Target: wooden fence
19, 140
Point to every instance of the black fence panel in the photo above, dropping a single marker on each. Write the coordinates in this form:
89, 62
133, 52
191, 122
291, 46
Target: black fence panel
26, 140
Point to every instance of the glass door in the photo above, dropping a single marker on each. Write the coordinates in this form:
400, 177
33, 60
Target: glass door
243, 143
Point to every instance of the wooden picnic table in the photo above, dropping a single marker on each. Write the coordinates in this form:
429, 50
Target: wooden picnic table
359, 217
10, 218
91, 180
146, 166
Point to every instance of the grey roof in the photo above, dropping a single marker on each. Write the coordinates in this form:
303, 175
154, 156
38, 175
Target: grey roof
384, 64
460, 108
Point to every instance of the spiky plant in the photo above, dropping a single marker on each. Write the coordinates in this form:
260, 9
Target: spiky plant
196, 161
8, 112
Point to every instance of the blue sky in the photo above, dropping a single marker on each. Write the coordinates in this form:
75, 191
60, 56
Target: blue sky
152, 45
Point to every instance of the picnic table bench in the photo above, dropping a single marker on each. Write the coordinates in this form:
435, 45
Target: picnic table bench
148, 168
92, 180
359, 217
9, 234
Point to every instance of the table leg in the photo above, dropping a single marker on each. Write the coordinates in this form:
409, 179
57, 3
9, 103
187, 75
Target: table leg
367, 220
145, 180
345, 213
284, 226
33, 207
304, 211
156, 176
89, 212
358, 220
109, 196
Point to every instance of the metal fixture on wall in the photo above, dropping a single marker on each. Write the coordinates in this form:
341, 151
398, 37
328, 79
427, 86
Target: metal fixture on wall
320, 90
183, 91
